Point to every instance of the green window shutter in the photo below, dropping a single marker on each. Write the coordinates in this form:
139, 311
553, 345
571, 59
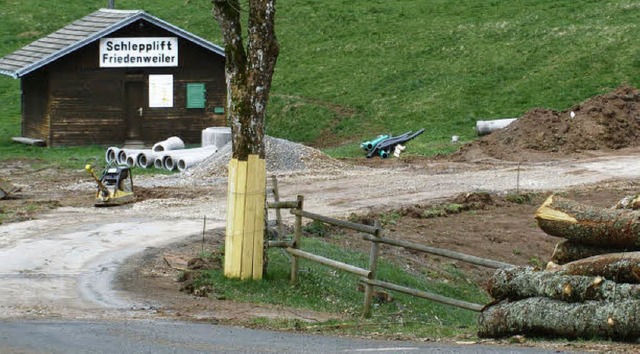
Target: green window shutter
196, 96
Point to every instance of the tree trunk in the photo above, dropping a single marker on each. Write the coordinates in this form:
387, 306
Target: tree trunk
568, 251
538, 316
589, 225
248, 74
619, 267
521, 283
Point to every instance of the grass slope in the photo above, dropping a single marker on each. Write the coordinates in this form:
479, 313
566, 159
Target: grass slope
349, 70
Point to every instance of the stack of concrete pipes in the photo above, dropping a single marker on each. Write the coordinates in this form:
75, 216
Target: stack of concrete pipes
169, 154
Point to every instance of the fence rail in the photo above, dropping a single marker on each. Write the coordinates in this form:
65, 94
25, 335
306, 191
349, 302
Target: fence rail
489, 263
368, 277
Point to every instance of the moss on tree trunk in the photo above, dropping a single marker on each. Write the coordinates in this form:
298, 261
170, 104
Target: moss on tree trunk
620, 267
568, 251
521, 283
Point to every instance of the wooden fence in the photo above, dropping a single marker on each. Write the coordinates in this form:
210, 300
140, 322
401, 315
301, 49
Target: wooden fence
374, 235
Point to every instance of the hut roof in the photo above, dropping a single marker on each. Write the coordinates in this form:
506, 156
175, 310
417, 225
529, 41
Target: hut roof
82, 32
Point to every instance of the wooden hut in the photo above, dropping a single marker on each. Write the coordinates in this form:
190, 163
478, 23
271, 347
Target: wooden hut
118, 77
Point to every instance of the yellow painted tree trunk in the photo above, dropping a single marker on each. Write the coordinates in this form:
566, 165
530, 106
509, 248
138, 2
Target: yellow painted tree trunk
244, 239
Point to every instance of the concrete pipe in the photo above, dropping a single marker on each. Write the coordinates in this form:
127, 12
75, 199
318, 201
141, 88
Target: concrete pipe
124, 153
172, 143
146, 159
132, 158
157, 162
168, 163
484, 127
169, 159
112, 154
216, 136
188, 161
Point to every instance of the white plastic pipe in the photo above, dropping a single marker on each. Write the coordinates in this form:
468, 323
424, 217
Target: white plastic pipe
172, 143
112, 154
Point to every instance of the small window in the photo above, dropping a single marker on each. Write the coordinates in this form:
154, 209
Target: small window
196, 96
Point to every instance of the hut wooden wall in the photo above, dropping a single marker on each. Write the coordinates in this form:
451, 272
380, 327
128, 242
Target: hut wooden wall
35, 100
85, 104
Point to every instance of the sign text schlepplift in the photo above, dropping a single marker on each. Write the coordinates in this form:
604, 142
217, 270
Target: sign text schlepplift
138, 52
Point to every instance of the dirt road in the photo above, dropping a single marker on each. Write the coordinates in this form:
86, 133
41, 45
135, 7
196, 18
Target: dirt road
62, 263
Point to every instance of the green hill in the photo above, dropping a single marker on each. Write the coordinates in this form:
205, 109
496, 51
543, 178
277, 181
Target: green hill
349, 70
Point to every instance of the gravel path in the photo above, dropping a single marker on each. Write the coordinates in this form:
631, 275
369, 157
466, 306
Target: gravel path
62, 263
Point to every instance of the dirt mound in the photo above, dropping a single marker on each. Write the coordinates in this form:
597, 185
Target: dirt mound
282, 156
605, 122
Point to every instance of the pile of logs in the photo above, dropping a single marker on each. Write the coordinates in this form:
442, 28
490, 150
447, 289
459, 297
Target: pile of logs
591, 287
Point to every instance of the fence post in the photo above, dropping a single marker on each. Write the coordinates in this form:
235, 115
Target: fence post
297, 235
276, 198
373, 266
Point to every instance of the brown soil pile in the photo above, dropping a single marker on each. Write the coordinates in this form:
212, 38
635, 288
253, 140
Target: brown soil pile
605, 122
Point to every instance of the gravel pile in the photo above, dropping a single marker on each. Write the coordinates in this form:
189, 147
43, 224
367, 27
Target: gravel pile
283, 157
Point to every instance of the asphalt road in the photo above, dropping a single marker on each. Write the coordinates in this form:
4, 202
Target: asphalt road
161, 337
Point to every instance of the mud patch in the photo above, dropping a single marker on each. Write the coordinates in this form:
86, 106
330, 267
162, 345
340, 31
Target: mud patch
149, 279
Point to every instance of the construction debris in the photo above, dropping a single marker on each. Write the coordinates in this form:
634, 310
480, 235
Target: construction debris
168, 154
385, 145
7, 188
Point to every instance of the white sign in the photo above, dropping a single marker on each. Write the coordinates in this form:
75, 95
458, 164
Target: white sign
160, 90
138, 52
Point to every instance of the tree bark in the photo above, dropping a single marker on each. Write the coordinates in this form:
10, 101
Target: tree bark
248, 72
629, 202
538, 316
589, 225
521, 283
568, 251
619, 267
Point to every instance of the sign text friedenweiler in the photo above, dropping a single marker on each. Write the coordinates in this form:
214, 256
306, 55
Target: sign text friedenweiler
138, 52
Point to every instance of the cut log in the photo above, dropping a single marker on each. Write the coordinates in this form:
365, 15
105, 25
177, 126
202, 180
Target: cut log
629, 202
525, 282
589, 225
568, 251
538, 316
619, 267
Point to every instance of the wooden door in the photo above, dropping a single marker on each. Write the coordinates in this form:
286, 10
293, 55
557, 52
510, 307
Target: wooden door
134, 110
